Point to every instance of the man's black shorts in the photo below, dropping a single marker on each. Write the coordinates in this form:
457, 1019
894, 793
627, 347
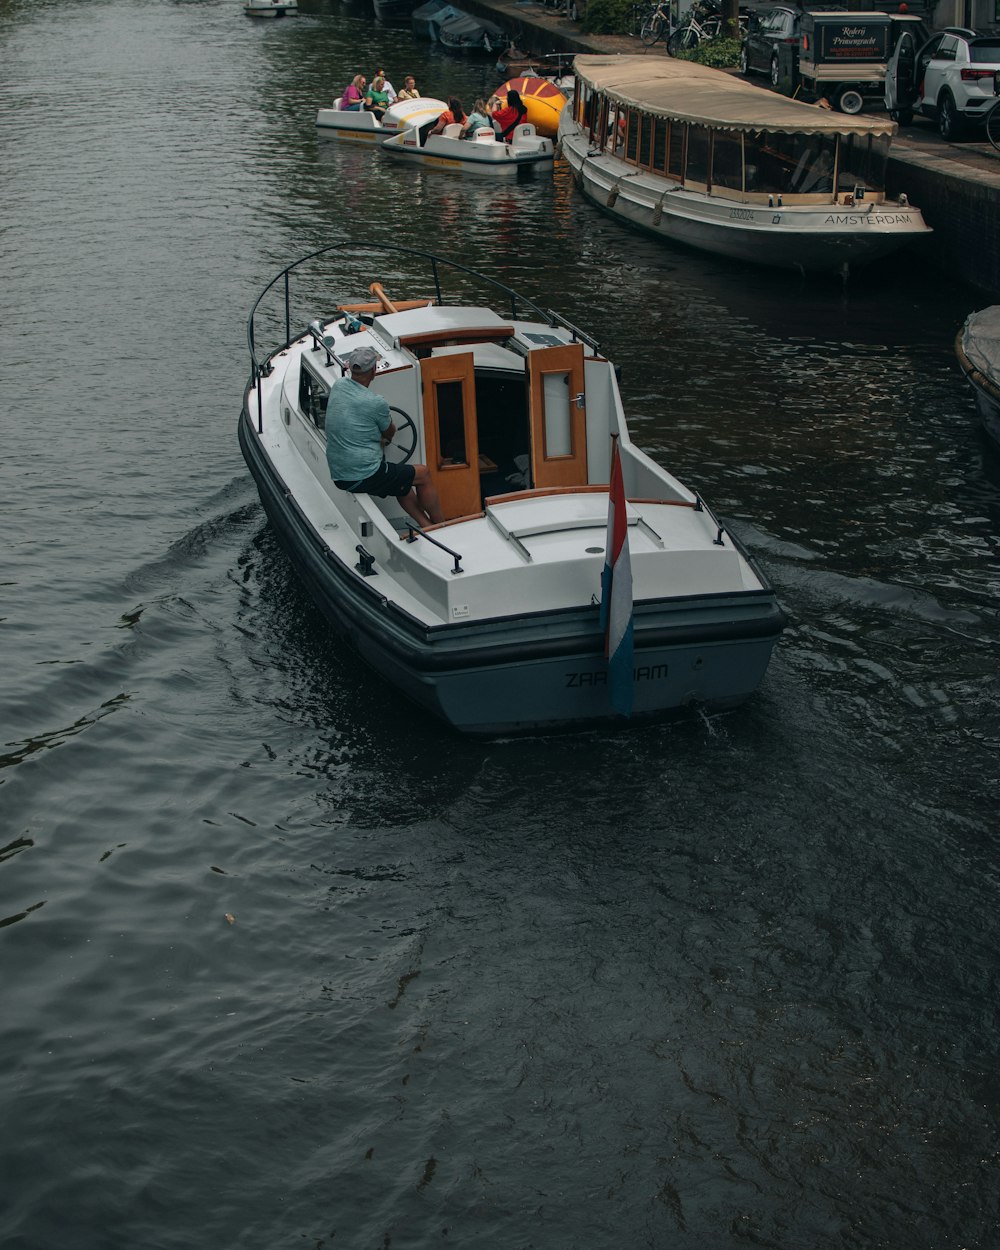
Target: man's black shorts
388, 479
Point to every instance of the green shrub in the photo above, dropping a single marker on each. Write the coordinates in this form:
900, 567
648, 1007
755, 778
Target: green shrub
608, 17
719, 53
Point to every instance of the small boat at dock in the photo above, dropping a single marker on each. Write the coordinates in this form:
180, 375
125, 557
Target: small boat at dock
696, 156
464, 33
271, 8
978, 351
492, 619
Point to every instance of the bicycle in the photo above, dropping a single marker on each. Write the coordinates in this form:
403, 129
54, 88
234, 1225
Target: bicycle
993, 124
687, 37
656, 24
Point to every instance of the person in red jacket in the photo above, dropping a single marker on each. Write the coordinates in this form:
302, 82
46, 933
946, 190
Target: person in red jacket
509, 115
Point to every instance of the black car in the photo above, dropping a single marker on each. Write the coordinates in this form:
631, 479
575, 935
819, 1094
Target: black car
767, 29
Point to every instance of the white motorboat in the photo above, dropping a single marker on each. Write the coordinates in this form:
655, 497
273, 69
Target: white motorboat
978, 351
491, 620
482, 153
699, 157
271, 8
360, 126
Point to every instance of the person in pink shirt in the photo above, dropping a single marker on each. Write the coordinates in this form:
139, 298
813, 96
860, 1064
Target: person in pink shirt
354, 94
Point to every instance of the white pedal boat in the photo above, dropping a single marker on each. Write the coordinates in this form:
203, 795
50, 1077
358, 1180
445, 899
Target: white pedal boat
484, 153
364, 127
491, 619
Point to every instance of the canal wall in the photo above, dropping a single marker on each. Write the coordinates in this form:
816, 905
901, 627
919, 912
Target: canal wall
960, 201
956, 186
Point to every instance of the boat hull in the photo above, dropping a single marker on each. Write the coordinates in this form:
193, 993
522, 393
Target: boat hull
978, 349
810, 239
540, 671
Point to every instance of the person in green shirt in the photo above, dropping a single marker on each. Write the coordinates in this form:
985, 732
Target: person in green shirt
377, 99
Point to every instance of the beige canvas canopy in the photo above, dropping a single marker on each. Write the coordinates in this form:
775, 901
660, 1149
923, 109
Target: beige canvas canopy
686, 92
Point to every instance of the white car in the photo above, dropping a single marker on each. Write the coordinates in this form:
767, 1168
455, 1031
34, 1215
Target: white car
953, 78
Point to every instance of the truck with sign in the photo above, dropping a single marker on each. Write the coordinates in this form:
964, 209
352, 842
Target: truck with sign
843, 55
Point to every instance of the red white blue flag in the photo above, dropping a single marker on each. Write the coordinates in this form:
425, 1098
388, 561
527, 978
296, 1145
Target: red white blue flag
616, 594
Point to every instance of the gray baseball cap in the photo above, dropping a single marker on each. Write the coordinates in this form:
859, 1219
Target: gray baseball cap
363, 359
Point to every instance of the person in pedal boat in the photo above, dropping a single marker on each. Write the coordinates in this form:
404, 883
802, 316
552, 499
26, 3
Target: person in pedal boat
377, 98
478, 119
453, 113
354, 94
359, 427
509, 115
409, 91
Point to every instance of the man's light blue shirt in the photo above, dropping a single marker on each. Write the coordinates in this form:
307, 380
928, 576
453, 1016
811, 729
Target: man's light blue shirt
356, 419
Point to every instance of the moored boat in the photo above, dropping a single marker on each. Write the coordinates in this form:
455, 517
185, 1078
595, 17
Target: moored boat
360, 126
481, 153
491, 619
978, 351
271, 8
696, 156
426, 19
462, 32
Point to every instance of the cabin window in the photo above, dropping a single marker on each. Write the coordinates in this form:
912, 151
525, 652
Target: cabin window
645, 140
558, 414
602, 123
862, 162
634, 124
675, 152
591, 111
661, 137
813, 174
698, 144
313, 395
449, 410
727, 160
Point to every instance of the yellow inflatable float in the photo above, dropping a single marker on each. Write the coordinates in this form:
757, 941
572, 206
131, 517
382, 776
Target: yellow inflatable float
543, 100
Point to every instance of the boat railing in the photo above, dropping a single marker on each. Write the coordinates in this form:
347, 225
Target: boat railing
701, 506
282, 280
416, 532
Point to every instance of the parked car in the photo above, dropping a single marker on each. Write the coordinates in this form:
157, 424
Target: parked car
767, 29
953, 78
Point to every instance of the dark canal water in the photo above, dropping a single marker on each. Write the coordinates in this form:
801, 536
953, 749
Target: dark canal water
699, 986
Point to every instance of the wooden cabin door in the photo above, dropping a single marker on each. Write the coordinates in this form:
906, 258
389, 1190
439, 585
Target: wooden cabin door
558, 407
449, 402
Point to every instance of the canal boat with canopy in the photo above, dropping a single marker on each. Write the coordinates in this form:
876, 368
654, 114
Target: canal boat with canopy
696, 156
492, 619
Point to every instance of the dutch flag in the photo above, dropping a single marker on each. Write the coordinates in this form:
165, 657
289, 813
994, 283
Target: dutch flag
616, 593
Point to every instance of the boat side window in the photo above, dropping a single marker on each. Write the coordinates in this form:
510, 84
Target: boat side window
675, 152
727, 160
771, 160
813, 173
661, 137
862, 162
644, 153
450, 412
698, 148
313, 394
633, 123
601, 131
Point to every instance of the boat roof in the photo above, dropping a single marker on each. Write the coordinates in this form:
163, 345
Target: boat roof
687, 92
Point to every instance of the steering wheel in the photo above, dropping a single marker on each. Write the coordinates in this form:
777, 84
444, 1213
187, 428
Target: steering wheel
407, 420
